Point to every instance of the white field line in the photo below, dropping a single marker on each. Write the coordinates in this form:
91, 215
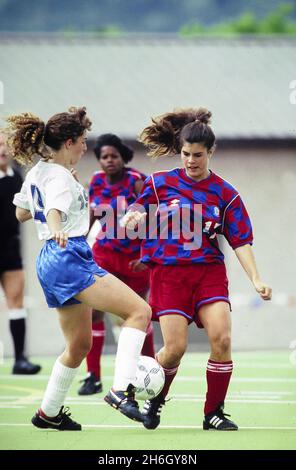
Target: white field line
28, 402
115, 426
94, 398
178, 378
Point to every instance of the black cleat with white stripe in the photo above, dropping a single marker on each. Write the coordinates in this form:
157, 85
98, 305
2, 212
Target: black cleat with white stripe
217, 421
125, 402
61, 422
151, 412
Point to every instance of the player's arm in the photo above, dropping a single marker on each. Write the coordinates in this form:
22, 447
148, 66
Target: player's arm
137, 212
22, 215
139, 186
246, 258
20, 200
53, 219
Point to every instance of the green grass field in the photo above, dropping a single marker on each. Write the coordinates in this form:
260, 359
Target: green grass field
261, 400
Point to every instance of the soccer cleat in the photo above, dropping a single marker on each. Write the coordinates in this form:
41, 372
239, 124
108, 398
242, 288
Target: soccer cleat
61, 422
151, 412
90, 385
23, 366
125, 402
217, 421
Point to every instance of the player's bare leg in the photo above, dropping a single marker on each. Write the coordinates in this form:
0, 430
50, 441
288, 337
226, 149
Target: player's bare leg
216, 320
169, 357
75, 321
110, 294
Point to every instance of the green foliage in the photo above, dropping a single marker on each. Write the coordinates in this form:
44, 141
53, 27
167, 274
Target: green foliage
275, 22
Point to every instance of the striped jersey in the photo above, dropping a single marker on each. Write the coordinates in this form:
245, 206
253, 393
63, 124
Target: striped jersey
184, 218
109, 202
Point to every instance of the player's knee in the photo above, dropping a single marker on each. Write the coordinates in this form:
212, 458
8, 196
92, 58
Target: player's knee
142, 314
80, 349
175, 352
222, 343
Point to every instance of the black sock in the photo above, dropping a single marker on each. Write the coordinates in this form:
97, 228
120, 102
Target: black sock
18, 331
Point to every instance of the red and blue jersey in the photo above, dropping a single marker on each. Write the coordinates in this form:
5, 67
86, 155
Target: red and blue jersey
102, 193
213, 202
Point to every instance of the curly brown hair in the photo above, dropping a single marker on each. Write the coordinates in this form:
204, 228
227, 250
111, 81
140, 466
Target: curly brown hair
167, 132
27, 135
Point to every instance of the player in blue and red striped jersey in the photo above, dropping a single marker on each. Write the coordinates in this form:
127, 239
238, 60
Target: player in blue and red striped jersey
119, 255
188, 277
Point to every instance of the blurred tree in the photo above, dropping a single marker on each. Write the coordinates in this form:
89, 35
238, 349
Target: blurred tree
275, 22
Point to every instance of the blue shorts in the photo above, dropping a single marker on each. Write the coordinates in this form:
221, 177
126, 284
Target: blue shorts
64, 272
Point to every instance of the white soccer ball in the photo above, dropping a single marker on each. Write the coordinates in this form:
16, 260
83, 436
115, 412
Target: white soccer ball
150, 378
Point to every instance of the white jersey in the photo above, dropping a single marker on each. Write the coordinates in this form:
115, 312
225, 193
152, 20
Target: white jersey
51, 186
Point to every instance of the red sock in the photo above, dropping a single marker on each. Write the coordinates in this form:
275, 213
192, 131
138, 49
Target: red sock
170, 374
218, 377
148, 346
93, 359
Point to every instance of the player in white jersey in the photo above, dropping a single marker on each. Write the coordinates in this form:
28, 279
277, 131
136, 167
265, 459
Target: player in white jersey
72, 282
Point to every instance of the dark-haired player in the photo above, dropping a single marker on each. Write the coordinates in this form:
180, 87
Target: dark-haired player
188, 275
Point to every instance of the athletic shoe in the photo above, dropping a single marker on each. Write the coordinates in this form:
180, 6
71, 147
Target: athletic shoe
23, 366
90, 385
151, 412
217, 421
61, 422
125, 402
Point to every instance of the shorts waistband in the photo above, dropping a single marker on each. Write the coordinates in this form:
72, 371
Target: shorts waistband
80, 238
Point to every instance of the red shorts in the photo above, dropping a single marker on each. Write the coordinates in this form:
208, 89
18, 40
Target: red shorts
117, 263
182, 290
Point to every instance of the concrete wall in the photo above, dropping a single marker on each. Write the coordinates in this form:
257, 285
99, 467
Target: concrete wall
267, 183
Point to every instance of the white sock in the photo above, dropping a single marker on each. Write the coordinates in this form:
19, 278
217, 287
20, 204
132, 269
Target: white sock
57, 388
129, 347
17, 313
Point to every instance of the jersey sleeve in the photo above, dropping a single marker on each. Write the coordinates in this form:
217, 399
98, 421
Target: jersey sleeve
21, 199
91, 192
237, 227
57, 195
146, 197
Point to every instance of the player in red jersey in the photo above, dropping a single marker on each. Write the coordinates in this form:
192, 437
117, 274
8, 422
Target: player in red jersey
188, 277
120, 256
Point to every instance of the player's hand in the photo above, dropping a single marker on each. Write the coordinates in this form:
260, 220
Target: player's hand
136, 266
61, 238
74, 174
131, 219
263, 289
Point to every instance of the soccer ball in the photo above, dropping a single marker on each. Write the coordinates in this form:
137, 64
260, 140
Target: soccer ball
150, 378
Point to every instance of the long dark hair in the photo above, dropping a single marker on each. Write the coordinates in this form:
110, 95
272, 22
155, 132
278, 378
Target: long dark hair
168, 132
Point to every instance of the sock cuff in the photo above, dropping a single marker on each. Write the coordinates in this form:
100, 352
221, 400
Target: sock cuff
220, 367
64, 371
171, 371
17, 313
210, 361
130, 332
149, 330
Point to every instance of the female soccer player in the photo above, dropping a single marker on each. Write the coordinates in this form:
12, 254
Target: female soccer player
72, 282
188, 278
114, 185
